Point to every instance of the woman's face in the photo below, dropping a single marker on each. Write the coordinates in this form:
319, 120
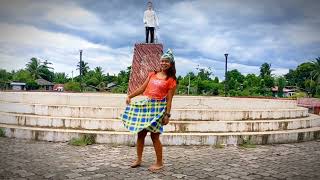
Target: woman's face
165, 64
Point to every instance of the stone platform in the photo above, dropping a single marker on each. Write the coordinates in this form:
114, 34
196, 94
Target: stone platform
196, 120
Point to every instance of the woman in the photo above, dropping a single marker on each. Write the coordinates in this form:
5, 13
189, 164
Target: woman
149, 115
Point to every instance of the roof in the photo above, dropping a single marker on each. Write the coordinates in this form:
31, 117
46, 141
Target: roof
285, 89
17, 84
110, 85
43, 82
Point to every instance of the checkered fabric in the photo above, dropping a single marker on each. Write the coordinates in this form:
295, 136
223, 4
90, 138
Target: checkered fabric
145, 114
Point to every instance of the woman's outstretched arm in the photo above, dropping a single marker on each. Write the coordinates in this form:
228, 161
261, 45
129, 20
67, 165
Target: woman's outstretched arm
138, 91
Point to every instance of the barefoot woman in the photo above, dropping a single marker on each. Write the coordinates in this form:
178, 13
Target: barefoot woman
150, 114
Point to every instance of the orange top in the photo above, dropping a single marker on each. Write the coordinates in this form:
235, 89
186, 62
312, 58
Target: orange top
158, 88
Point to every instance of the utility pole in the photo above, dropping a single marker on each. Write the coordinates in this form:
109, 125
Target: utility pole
72, 76
81, 69
225, 75
189, 85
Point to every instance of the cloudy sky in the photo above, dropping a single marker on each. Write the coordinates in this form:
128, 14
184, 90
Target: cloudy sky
284, 33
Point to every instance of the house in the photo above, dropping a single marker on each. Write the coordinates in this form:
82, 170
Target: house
288, 91
44, 84
18, 86
111, 85
58, 87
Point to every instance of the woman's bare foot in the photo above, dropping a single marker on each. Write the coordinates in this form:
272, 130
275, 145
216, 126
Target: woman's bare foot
155, 167
135, 164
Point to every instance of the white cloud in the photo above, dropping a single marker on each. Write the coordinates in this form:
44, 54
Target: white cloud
199, 32
61, 49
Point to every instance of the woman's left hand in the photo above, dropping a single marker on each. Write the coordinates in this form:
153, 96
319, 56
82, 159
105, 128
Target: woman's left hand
165, 120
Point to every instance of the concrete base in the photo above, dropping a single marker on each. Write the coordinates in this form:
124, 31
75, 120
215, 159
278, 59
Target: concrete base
61, 135
196, 120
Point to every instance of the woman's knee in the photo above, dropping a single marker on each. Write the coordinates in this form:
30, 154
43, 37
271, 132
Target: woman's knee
142, 134
155, 136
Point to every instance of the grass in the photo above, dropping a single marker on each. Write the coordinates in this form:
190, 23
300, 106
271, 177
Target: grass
83, 140
2, 133
247, 143
219, 146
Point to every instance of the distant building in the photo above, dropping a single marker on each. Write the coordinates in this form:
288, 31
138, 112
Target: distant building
18, 86
111, 85
44, 84
58, 87
288, 91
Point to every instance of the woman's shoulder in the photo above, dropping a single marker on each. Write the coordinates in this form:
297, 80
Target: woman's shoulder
172, 80
152, 73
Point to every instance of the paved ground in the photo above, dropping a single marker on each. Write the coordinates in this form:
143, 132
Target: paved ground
24, 159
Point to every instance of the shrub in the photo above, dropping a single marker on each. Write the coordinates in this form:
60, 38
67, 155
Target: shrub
86, 139
2, 133
72, 86
247, 143
299, 95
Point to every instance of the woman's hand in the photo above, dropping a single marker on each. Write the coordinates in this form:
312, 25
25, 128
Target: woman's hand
128, 100
165, 120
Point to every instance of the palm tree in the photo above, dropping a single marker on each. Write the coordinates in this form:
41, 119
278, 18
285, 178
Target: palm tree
35, 68
315, 73
84, 67
99, 76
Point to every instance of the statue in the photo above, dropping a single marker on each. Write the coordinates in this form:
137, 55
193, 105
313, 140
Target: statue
150, 21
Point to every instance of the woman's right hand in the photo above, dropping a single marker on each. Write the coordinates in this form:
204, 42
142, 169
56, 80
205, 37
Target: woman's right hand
128, 100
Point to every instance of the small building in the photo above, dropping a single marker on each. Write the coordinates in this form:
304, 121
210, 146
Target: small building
111, 85
44, 84
18, 86
288, 91
58, 87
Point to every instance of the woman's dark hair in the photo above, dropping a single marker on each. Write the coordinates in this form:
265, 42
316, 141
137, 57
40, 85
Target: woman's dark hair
171, 72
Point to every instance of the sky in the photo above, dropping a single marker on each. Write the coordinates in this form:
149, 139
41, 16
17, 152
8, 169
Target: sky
284, 33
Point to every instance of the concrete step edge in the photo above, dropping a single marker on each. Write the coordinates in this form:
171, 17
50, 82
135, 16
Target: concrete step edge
177, 109
310, 117
313, 129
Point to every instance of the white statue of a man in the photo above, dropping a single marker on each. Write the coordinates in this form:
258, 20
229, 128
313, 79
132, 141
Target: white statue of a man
150, 21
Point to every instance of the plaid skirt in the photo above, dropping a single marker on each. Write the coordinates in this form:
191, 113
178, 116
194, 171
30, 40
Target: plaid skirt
145, 114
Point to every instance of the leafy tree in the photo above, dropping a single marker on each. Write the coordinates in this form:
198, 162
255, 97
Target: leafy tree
303, 73
281, 83
60, 78
216, 80
5, 78
204, 74
72, 86
265, 70
291, 77
236, 75
22, 76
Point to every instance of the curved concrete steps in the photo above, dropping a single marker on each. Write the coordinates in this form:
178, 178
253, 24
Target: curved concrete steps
268, 137
195, 120
173, 126
118, 100
177, 114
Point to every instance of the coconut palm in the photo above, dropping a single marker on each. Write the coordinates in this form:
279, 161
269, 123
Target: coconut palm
99, 77
84, 67
315, 73
35, 68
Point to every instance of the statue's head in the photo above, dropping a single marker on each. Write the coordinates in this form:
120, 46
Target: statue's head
149, 5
